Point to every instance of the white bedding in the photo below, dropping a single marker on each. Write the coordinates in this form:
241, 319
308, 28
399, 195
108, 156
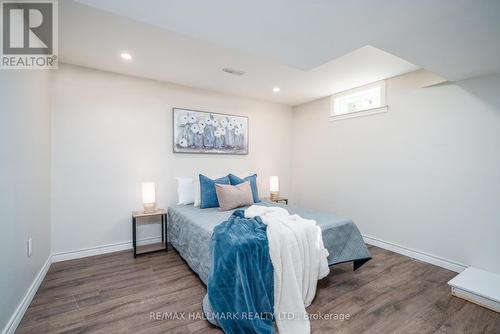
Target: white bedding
299, 259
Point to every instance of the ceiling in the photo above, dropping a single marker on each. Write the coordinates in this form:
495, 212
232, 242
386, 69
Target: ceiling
309, 49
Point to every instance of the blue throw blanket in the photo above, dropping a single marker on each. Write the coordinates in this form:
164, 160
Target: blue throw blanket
240, 285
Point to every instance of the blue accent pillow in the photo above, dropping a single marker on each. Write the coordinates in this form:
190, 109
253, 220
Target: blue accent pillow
253, 184
208, 195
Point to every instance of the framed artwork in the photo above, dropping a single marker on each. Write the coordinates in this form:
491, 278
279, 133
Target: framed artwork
197, 131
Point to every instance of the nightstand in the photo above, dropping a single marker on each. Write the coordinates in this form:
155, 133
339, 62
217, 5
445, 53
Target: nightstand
156, 247
279, 200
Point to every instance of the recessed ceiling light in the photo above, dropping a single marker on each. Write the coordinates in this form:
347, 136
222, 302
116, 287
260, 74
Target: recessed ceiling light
276, 89
126, 56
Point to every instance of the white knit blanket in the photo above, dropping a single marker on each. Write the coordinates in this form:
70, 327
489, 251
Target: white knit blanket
299, 259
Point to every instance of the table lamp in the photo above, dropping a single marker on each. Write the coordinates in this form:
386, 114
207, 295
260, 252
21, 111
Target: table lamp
149, 197
274, 187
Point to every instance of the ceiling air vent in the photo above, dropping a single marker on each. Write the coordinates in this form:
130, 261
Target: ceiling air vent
233, 71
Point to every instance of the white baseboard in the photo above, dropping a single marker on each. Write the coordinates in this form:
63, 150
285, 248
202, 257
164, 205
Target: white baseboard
16, 318
422, 256
91, 251
104, 249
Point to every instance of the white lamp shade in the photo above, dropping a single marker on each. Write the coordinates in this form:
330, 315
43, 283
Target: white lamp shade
148, 192
274, 184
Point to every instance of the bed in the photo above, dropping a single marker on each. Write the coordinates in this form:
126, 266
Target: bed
190, 230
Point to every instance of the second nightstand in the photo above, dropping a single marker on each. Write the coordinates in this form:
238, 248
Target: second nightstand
279, 200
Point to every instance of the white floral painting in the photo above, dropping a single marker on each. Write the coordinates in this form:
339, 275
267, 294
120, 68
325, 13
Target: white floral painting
206, 132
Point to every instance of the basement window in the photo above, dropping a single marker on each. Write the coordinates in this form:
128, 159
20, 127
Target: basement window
361, 101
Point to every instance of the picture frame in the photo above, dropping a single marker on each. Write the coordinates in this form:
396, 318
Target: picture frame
204, 132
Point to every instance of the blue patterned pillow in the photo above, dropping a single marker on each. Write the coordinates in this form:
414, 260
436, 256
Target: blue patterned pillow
208, 195
253, 184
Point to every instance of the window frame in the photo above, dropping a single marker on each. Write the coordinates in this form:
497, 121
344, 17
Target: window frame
365, 112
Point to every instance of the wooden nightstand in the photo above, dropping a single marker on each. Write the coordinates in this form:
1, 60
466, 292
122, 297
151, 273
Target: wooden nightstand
279, 200
156, 247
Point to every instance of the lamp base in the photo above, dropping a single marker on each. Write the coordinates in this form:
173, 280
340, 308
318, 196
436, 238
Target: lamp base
149, 207
275, 195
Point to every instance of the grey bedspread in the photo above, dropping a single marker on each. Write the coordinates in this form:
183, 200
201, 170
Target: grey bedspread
190, 230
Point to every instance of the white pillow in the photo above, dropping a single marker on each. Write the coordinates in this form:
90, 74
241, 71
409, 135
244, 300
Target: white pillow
185, 190
197, 196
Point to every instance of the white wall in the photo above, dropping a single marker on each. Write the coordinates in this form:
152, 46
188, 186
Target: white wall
112, 132
425, 175
24, 183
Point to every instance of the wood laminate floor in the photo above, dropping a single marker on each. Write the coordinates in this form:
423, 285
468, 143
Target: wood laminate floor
116, 293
